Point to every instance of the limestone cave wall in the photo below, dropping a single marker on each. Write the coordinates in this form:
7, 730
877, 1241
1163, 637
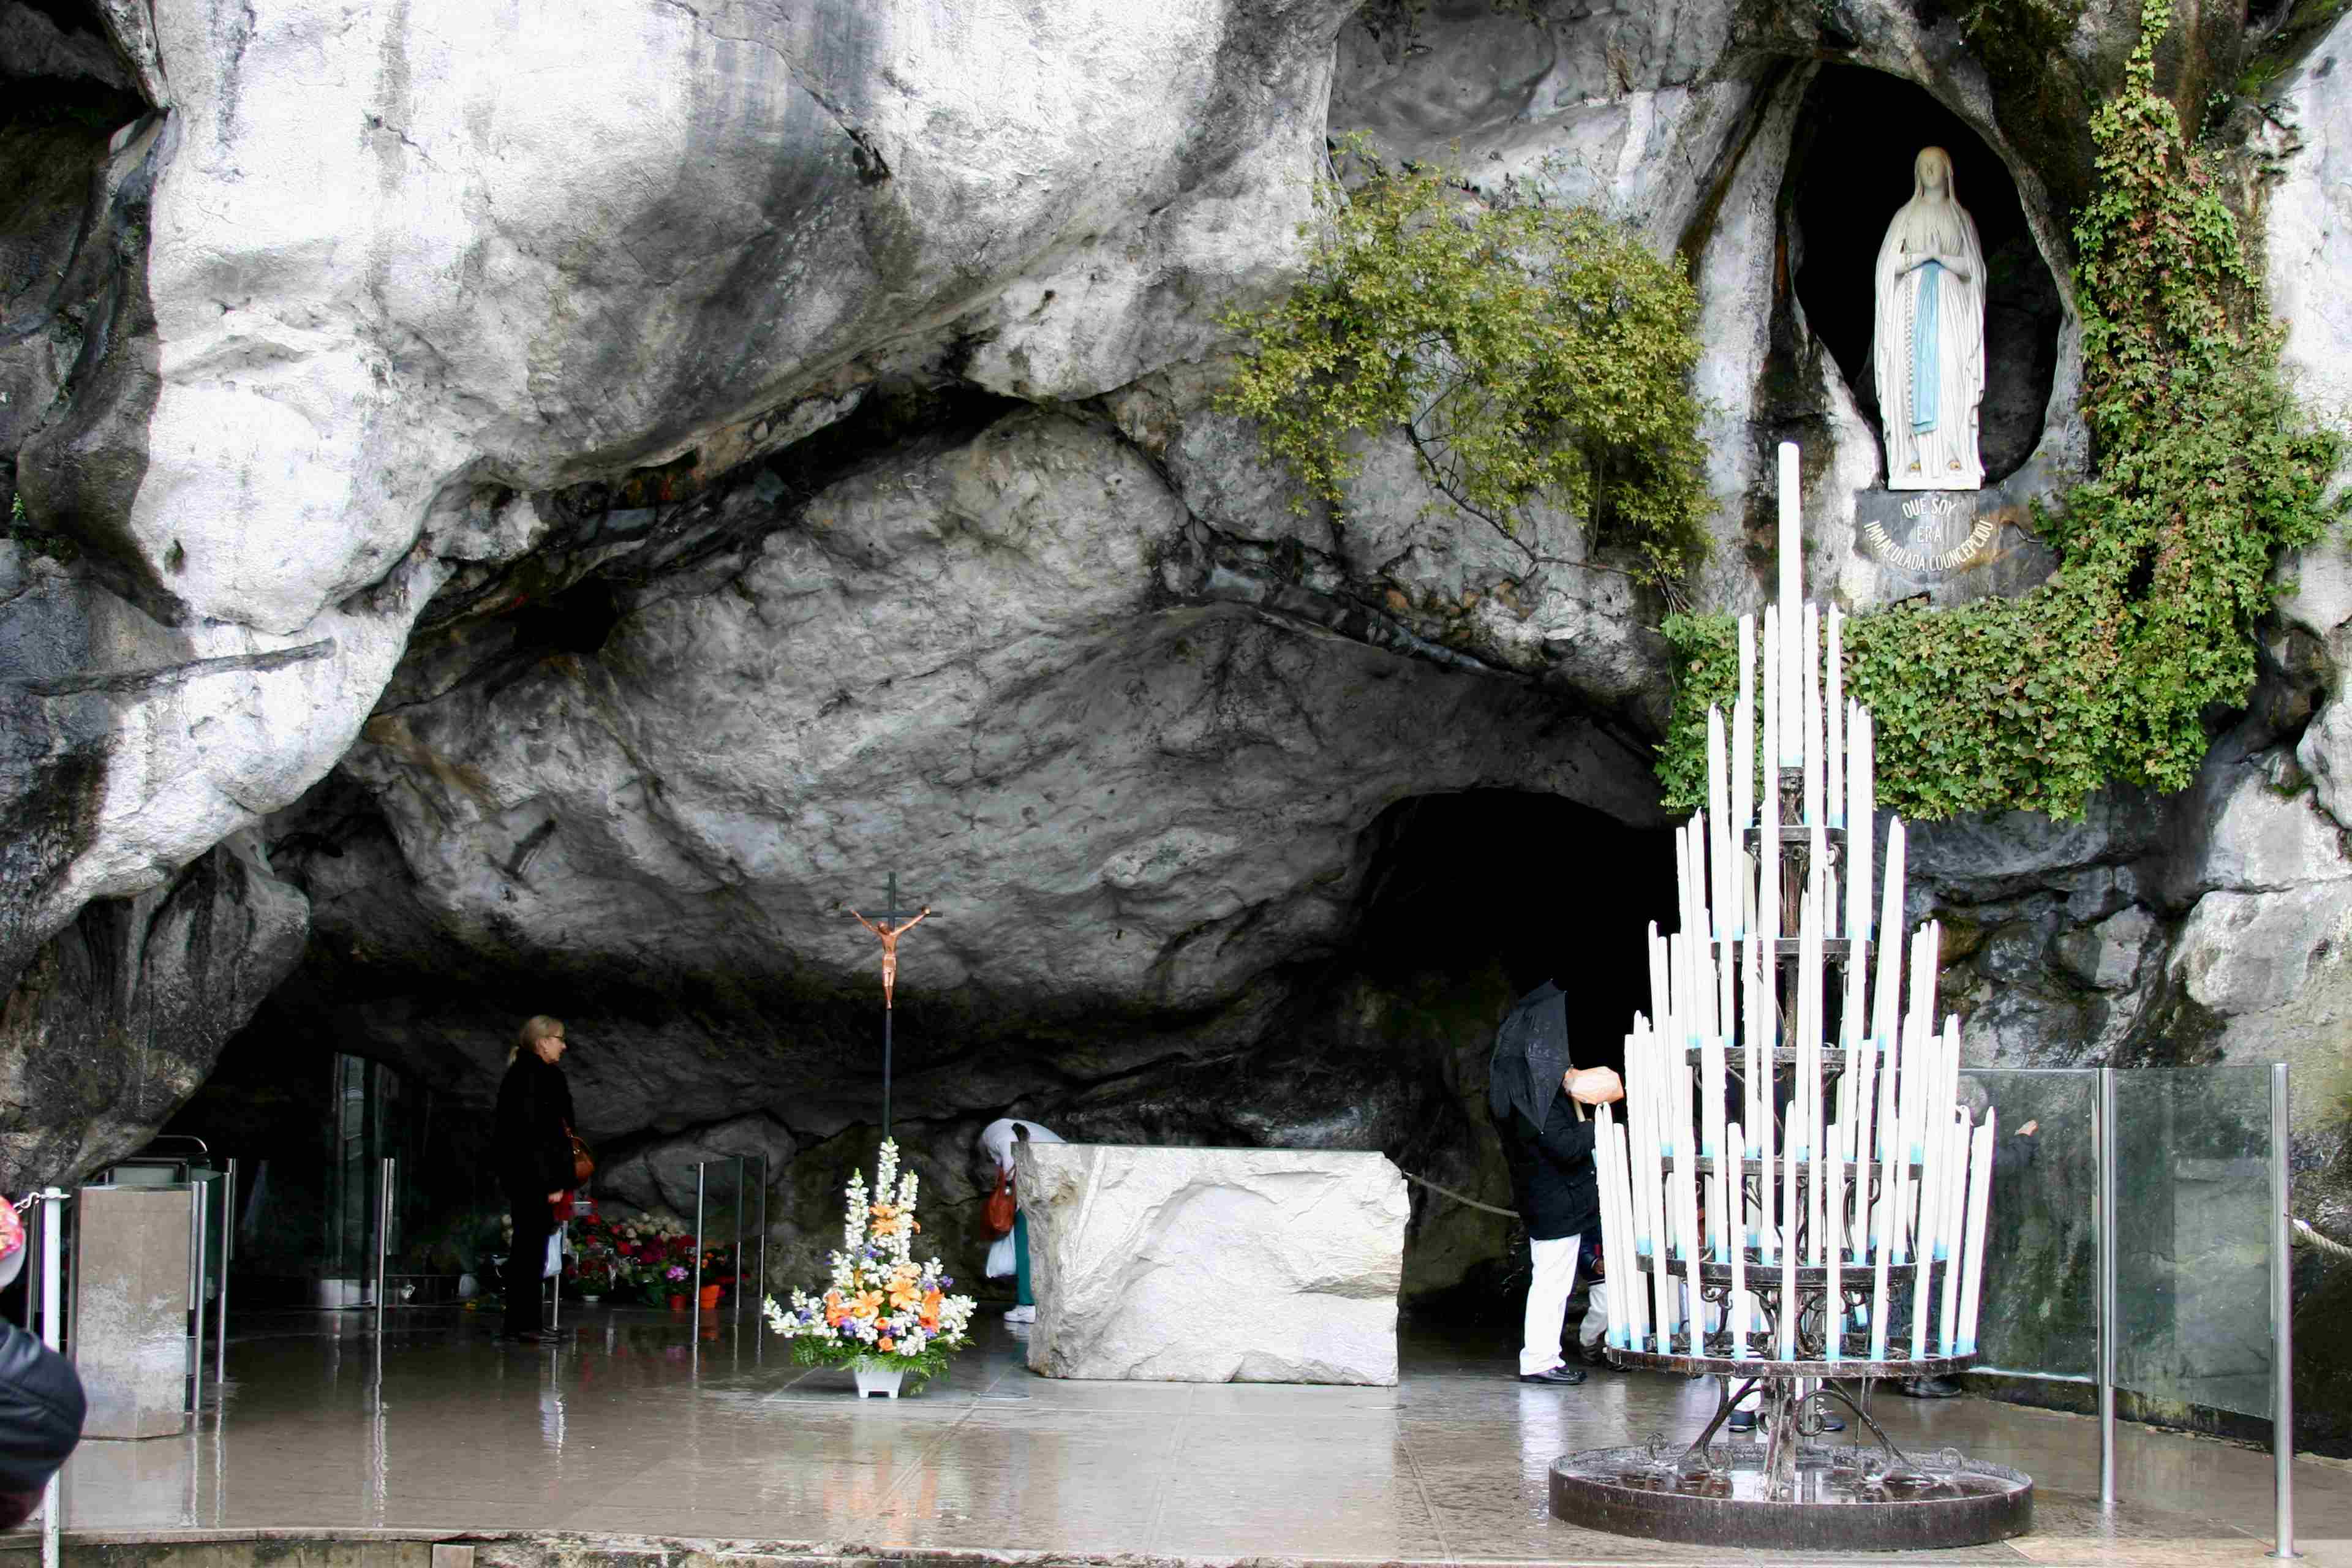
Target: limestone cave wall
476, 552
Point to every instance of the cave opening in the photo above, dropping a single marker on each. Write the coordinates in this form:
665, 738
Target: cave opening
1532, 886
1850, 170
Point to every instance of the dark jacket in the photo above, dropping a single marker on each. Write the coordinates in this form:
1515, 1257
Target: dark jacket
41, 1410
533, 1129
1552, 1173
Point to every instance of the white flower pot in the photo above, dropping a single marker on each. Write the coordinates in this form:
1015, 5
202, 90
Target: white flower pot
878, 1376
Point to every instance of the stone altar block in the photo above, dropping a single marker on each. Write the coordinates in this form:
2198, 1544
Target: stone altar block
1212, 1265
130, 1308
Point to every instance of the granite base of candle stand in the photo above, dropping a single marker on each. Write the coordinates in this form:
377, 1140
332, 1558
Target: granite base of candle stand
1792, 1163
1212, 1265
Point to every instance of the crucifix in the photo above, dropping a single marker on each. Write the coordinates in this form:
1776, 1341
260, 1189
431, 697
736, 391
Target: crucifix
895, 923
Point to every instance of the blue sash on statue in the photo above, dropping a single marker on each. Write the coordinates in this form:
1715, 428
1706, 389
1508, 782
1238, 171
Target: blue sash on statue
1925, 370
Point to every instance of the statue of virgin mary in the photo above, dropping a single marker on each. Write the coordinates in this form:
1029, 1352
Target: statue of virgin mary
1929, 347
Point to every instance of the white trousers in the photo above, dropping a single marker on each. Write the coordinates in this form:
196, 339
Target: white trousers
1549, 1285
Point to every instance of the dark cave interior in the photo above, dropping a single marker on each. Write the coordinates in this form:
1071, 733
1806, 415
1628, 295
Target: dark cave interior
1846, 177
1466, 902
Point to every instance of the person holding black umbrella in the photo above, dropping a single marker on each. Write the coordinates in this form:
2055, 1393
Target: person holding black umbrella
1538, 1098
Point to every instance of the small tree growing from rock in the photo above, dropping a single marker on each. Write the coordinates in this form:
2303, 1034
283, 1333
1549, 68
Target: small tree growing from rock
1529, 354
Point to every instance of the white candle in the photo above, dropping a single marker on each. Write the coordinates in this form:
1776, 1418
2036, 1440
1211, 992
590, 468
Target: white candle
1628, 1285
1792, 595
1861, 838
1886, 1018
1751, 1036
1734, 1139
1834, 1301
1809, 651
1718, 1217
1718, 822
1881, 1252
1833, 712
1931, 1198
1955, 1133
1865, 808
1861, 1067
1980, 1196
1657, 973
1613, 1235
1788, 1250
1809, 973
1688, 1242
1742, 779
1748, 658
1775, 717
1765, 1131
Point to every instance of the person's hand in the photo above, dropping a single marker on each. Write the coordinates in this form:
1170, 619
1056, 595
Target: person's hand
1593, 1086
555, 1197
2027, 1130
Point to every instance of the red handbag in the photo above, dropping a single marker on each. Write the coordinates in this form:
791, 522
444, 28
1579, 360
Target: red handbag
996, 1215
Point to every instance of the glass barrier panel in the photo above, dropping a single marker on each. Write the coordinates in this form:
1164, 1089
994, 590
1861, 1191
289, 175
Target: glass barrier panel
2040, 1316
722, 1227
2192, 1236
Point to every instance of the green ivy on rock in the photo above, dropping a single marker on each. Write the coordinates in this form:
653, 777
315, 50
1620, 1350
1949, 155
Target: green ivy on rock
2205, 469
1529, 354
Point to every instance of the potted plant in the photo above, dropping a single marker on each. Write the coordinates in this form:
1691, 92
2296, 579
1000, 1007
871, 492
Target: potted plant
884, 1315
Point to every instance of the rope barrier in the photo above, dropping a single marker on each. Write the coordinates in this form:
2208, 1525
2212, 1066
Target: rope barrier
1458, 1197
2326, 1244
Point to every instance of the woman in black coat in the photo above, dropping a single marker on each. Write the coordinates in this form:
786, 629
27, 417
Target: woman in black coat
534, 1137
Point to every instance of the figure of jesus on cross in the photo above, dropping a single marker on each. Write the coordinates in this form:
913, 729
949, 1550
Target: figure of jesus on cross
895, 924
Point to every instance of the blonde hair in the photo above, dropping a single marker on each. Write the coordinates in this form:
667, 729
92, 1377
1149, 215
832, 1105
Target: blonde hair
535, 1028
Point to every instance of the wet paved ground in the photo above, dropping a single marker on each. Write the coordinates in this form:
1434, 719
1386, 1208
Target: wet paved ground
645, 1426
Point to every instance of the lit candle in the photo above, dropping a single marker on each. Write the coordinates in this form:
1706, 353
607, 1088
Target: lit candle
1980, 1196
1735, 1139
1833, 712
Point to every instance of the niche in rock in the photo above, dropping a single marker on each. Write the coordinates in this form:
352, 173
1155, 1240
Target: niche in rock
1851, 168
1533, 886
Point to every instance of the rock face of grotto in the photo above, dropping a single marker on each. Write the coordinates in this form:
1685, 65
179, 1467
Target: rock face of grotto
490, 541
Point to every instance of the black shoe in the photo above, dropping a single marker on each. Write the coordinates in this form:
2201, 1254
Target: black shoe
1742, 1421
1832, 1423
1596, 1355
1929, 1388
1562, 1376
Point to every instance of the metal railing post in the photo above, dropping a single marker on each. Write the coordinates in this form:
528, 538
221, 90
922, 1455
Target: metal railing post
386, 1174
53, 1335
197, 1193
741, 1167
220, 1306
694, 1301
2107, 1141
2282, 1323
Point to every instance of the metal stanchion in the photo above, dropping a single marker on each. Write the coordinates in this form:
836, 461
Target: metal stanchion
384, 1179
220, 1306
197, 1193
2104, 1134
2282, 1325
741, 1167
694, 1301
52, 1200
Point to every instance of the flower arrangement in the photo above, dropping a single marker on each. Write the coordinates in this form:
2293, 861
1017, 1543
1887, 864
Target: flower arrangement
882, 1307
653, 1257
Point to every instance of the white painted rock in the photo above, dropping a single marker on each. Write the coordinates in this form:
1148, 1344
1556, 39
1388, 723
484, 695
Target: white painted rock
1213, 1264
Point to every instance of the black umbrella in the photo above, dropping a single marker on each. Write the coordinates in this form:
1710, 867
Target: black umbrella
1530, 1056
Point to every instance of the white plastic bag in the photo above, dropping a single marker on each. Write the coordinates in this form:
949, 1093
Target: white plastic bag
554, 1257
1001, 1260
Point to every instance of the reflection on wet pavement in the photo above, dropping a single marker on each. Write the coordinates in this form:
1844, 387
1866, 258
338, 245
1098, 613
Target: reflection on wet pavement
644, 1424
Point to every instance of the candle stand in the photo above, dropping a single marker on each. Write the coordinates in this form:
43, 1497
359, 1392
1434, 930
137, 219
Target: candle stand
1793, 1200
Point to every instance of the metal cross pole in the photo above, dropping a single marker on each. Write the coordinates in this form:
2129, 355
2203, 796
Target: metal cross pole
889, 927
